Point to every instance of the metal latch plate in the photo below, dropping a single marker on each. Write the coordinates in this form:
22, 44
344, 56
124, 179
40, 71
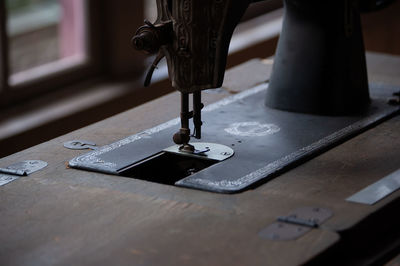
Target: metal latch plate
378, 190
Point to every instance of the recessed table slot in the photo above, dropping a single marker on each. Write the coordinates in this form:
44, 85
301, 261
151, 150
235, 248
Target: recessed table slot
167, 168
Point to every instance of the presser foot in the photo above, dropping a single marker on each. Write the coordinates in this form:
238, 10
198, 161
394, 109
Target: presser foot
182, 138
187, 148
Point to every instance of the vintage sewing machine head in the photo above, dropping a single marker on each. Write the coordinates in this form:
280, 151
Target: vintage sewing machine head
194, 36
319, 65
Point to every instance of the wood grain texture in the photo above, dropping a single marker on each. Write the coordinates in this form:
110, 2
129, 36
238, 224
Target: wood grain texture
62, 216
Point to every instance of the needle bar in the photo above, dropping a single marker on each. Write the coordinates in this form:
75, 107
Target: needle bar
197, 106
185, 115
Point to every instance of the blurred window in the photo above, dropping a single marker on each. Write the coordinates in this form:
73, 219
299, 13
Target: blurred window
43, 36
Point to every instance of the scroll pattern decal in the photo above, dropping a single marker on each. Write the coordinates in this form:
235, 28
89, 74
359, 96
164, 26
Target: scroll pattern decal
197, 27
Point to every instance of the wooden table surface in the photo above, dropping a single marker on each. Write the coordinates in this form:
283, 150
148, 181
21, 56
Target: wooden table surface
61, 216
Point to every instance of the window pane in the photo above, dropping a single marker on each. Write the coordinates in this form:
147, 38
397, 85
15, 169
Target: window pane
42, 33
151, 10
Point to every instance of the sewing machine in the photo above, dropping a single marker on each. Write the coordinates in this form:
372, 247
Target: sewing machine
317, 97
336, 209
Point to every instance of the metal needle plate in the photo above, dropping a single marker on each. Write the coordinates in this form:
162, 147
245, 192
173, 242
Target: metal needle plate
266, 141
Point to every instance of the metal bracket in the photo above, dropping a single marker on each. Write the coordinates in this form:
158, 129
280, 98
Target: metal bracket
15, 171
296, 224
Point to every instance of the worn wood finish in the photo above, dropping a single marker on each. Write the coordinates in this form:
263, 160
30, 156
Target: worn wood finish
61, 216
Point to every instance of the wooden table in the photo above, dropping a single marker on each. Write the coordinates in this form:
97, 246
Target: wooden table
61, 216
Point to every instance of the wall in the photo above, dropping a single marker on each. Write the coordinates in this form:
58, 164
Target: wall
382, 30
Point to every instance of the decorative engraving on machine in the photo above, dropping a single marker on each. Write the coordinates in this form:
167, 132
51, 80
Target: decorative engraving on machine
296, 224
15, 171
252, 129
378, 190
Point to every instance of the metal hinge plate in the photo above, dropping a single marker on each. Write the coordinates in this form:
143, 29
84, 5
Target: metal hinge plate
296, 224
15, 171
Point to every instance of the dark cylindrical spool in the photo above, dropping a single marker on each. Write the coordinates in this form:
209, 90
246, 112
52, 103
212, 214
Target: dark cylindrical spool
320, 63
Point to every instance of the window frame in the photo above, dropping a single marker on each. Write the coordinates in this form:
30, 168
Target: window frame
103, 55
